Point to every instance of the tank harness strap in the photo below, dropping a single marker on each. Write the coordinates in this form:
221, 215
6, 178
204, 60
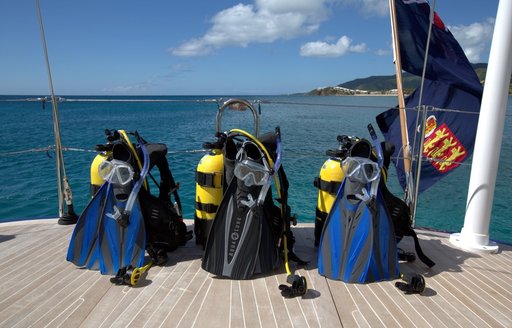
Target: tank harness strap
331, 187
208, 208
206, 179
320, 215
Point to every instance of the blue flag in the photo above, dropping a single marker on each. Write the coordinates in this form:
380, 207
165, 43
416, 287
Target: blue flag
450, 83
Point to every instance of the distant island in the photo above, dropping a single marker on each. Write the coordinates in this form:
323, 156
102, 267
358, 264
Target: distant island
383, 85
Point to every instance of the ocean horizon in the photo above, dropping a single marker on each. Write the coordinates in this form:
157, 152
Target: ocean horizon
309, 126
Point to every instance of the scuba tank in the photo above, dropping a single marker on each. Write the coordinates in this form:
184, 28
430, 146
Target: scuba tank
96, 179
210, 179
209, 189
331, 175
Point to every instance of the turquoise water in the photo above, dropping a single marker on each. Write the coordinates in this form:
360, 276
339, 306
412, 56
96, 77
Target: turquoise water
309, 127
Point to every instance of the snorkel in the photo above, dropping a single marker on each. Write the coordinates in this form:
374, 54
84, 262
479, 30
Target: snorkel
380, 159
136, 187
125, 214
275, 169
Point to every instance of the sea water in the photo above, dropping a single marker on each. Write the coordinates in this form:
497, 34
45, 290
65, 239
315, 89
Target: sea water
309, 127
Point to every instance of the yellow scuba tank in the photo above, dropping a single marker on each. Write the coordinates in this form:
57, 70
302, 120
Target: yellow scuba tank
331, 175
96, 179
209, 190
328, 182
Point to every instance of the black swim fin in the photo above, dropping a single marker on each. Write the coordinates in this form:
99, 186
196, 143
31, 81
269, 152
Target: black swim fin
240, 242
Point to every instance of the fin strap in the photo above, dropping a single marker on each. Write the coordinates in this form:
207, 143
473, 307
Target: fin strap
425, 259
299, 287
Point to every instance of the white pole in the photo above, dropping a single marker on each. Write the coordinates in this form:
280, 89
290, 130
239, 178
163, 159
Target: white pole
474, 235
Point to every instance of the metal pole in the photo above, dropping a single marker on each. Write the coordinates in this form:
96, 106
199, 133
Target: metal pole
474, 235
64, 190
401, 107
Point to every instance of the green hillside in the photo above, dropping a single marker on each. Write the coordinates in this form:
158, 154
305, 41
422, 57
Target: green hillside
382, 84
410, 82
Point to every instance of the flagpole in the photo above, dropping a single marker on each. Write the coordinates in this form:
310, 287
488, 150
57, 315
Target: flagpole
401, 106
474, 235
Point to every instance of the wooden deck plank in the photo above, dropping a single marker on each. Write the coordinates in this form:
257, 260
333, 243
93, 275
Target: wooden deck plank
175, 295
478, 307
265, 311
39, 288
325, 310
217, 300
152, 303
75, 305
278, 305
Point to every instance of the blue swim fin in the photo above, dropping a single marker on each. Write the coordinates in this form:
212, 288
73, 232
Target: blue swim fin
122, 231
357, 243
83, 246
120, 245
346, 235
110, 233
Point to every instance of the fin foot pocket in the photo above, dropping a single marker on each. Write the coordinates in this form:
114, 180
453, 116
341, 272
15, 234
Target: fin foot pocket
414, 283
299, 287
158, 254
130, 276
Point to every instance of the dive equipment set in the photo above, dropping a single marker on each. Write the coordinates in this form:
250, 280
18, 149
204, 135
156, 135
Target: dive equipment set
123, 219
243, 232
357, 241
249, 232
331, 175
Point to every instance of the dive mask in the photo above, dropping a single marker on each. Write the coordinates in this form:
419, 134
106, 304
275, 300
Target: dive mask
116, 172
248, 170
360, 169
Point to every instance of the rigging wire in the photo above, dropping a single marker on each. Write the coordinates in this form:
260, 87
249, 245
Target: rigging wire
422, 120
291, 154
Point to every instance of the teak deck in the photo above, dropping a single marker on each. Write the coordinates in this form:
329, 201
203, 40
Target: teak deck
39, 288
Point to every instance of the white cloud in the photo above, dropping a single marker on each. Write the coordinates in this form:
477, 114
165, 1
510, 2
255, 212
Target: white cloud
265, 21
370, 7
136, 88
384, 52
475, 38
376, 7
324, 49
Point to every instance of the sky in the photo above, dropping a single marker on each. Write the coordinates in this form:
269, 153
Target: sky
206, 47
